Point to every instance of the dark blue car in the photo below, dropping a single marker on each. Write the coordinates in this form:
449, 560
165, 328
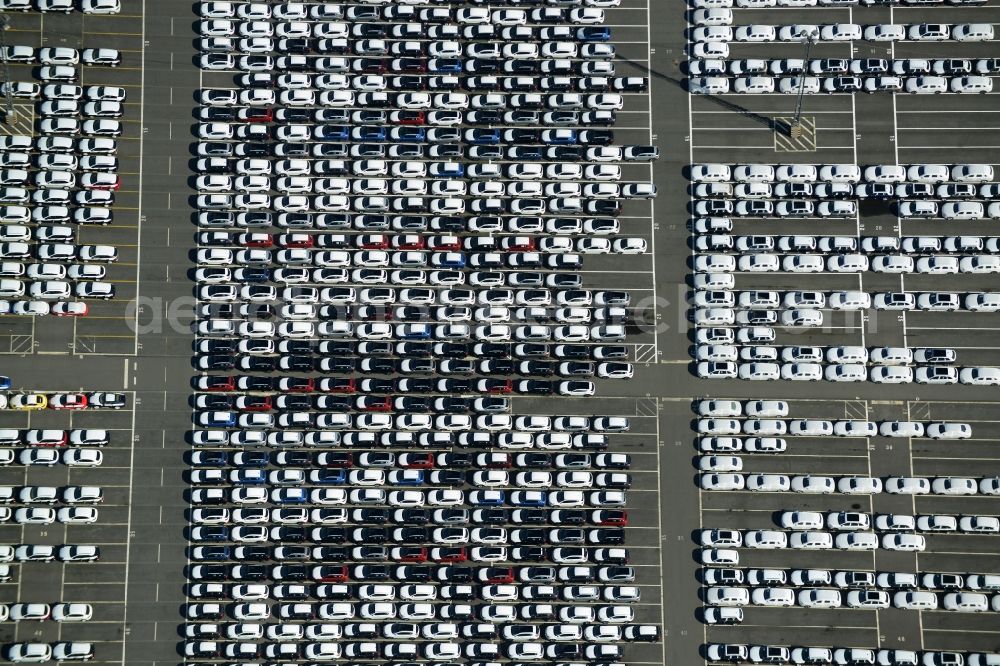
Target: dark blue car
328, 476
411, 134
452, 65
332, 133
368, 133
594, 34
483, 136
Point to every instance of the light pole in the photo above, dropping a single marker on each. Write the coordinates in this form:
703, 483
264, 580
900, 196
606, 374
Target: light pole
795, 128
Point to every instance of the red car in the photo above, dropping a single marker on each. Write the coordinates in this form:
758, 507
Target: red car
215, 383
449, 554
252, 115
417, 460
518, 244
411, 118
328, 573
614, 517
371, 403
70, 309
410, 554
102, 181
68, 401
498, 385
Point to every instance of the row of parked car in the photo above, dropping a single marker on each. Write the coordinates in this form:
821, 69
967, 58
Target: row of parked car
54, 183
822, 67
780, 654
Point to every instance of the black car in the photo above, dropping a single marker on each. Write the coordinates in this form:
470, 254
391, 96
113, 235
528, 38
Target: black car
597, 137
447, 223
532, 349
379, 366
377, 385
292, 402
217, 114
455, 385
210, 572
492, 404
535, 387
370, 535
293, 459
252, 553
607, 536
328, 534
250, 571
491, 516
331, 554
454, 460
253, 150
532, 516
412, 405
217, 362
290, 572
294, 553
412, 516
535, 460
251, 459
530, 553
213, 149
292, 534
333, 459
411, 535
209, 401
376, 516
296, 363
293, 115
522, 67
532, 536
446, 477
536, 368
571, 516
418, 365
333, 403
455, 574
258, 363
565, 153
452, 405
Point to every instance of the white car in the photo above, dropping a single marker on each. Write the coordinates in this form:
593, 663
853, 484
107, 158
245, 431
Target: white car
980, 376
724, 481
926, 85
904, 542
859, 485
971, 85
769, 483
775, 597
708, 85
811, 540
914, 600
755, 33
802, 520
884, 32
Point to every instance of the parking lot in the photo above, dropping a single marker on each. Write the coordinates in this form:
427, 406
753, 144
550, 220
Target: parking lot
101, 583
407, 240
890, 628
106, 327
